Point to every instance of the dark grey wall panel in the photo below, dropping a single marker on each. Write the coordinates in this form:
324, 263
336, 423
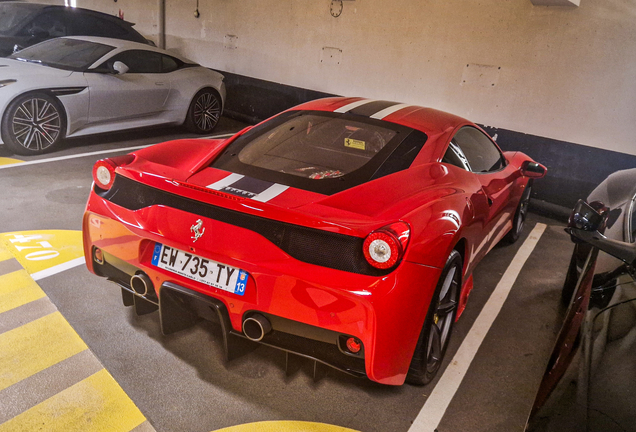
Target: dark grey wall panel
573, 169
253, 100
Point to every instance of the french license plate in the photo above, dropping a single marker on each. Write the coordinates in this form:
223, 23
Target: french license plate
200, 269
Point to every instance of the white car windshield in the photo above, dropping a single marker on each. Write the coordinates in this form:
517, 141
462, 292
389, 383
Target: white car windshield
69, 54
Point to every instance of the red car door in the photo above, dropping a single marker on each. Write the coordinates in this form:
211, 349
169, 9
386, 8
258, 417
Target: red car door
497, 187
474, 151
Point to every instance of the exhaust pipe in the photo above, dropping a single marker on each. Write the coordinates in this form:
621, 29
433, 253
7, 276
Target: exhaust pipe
256, 327
141, 284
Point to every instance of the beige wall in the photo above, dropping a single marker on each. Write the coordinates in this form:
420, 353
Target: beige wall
566, 73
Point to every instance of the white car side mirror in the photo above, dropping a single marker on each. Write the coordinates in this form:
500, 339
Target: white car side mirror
120, 68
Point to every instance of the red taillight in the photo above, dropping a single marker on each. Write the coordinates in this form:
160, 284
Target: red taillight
385, 247
104, 170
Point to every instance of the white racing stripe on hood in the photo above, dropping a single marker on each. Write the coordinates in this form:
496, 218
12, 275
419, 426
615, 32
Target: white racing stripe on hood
232, 178
388, 111
271, 192
248, 188
353, 105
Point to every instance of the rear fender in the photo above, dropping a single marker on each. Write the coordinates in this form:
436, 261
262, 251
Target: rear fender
438, 228
442, 234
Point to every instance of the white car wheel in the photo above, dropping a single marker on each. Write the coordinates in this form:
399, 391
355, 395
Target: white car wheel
204, 112
33, 124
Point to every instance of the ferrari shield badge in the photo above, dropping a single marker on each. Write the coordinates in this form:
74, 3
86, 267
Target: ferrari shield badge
197, 229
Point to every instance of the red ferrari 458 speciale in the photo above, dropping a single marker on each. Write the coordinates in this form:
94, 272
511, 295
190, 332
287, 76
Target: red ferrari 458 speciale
344, 230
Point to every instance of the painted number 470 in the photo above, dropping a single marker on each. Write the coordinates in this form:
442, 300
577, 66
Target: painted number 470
45, 251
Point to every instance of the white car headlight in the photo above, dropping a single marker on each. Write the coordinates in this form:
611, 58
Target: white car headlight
4, 83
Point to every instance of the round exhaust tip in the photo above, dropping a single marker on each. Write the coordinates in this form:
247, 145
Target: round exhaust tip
256, 327
141, 284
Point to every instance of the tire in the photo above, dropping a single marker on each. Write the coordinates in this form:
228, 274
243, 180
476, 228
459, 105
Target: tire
520, 216
433, 341
204, 112
33, 124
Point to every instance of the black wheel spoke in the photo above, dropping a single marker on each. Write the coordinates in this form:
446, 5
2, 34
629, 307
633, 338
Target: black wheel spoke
443, 317
523, 209
26, 112
50, 118
47, 136
28, 137
448, 282
37, 137
20, 132
41, 110
446, 308
434, 352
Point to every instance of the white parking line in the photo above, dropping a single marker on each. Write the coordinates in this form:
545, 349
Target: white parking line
435, 406
58, 268
59, 158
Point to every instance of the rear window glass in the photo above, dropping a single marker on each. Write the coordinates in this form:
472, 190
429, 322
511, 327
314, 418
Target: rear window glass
316, 147
320, 151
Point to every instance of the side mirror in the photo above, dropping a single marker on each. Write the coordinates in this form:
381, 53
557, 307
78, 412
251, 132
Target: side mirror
120, 68
533, 169
587, 217
585, 224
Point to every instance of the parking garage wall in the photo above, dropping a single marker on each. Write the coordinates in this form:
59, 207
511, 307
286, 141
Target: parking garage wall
556, 82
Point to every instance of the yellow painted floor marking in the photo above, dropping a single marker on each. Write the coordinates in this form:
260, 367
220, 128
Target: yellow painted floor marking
8, 161
4, 253
40, 250
16, 289
283, 426
35, 346
96, 404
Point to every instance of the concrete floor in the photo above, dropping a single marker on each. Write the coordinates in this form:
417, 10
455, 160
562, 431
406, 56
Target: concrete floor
180, 382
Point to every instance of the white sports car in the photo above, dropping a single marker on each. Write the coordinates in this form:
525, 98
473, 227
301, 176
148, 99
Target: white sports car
75, 86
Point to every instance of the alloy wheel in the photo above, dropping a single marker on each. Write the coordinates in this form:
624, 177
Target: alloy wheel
207, 111
523, 210
442, 320
36, 124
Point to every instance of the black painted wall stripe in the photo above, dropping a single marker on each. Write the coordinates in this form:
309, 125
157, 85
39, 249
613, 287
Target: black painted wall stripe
574, 170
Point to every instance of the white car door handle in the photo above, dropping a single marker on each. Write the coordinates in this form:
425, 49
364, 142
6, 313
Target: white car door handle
159, 83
